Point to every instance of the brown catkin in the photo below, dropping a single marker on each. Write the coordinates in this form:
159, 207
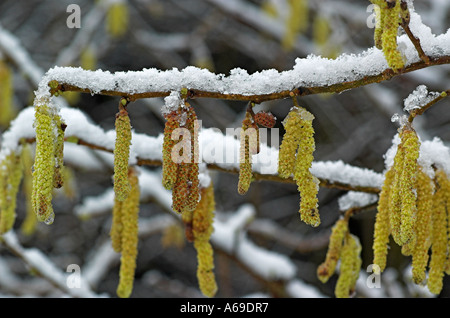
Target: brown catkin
169, 166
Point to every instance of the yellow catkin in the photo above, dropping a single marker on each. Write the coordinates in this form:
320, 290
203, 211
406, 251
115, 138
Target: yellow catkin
389, 37
308, 185
11, 175
445, 185
202, 227
423, 227
245, 157
296, 22
327, 268
349, 268
169, 167
439, 236
44, 165
187, 217
411, 146
129, 233
289, 145
6, 94
379, 26
395, 195
121, 154
28, 225
382, 228
117, 19
115, 232
173, 235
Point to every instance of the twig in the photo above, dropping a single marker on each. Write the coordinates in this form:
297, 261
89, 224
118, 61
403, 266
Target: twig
421, 110
416, 41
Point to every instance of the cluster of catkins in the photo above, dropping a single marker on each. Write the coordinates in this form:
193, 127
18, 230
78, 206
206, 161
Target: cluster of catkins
414, 209
48, 164
388, 15
296, 157
194, 201
125, 214
346, 248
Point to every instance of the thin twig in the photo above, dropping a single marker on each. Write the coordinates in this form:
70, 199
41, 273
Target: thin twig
421, 110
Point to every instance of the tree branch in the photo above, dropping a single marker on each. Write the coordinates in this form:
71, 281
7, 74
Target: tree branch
387, 74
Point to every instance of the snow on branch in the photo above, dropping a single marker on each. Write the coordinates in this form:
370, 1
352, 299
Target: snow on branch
43, 266
310, 75
217, 151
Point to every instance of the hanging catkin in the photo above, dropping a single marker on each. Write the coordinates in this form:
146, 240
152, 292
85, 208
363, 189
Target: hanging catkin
121, 153
129, 236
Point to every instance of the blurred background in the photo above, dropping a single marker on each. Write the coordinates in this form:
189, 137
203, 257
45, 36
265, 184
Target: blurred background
220, 35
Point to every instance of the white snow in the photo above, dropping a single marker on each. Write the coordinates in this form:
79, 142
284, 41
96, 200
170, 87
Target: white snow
310, 71
354, 199
419, 98
230, 236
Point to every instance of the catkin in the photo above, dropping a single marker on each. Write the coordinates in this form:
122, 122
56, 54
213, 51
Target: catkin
28, 225
58, 178
327, 268
11, 175
296, 22
116, 226
44, 164
439, 236
193, 168
423, 226
202, 227
121, 154
6, 94
382, 227
411, 147
389, 37
245, 155
296, 157
350, 267
169, 166
117, 19
395, 194
289, 145
129, 237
